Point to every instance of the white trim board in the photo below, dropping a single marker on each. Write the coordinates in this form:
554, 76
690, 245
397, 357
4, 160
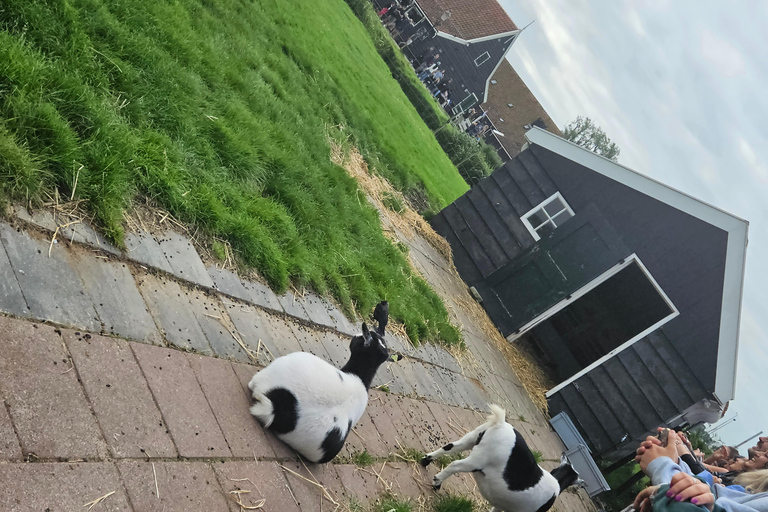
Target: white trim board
733, 281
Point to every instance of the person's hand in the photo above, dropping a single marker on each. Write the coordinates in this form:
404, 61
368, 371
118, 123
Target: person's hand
643, 499
651, 449
684, 487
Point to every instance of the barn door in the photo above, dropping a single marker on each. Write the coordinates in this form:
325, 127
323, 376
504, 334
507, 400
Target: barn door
551, 270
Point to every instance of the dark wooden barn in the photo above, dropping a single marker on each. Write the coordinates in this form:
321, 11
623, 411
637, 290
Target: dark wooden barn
631, 290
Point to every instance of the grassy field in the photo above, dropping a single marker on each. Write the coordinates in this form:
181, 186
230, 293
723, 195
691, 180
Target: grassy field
219, 111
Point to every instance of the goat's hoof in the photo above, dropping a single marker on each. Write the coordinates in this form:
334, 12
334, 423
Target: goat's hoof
436, 487
426, 460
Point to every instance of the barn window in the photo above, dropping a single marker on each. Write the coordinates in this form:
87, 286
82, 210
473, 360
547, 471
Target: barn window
482, 59
547, 216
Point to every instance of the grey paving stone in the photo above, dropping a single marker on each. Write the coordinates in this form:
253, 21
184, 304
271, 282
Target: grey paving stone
337, 348
316, 309
143, 248
9, 443
309, 341
400, 383
282, 334
446, 360
229, 283
113, 291
212, 317
261, 295
416, 376
85, 234
292, 306
41, 218
51, 286
184, 260
56, 486
340, 321
251, 324
169, 306
11, 299
438, 386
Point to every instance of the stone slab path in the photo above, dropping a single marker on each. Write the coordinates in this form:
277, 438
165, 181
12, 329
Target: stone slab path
123, 378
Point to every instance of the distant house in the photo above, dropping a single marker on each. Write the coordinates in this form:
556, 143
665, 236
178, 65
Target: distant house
630, 289
471, 36
513, 110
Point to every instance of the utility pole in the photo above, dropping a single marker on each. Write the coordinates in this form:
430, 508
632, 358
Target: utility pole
748, 439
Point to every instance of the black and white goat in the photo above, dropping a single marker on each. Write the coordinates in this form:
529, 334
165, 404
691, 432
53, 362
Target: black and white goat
504, 467
311, 405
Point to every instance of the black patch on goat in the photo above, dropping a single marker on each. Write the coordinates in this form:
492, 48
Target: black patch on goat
333, 443
448, 447
565, 475
285, 408
521, 471
479, 437
548, 504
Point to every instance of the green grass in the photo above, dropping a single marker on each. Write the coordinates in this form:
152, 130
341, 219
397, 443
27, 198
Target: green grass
219, 112
390, 503
537, 456
363, 459
453, 503
444, 460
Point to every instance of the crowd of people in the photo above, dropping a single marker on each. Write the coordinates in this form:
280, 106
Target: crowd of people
682, 478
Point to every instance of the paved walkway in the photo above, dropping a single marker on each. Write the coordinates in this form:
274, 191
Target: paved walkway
123, 377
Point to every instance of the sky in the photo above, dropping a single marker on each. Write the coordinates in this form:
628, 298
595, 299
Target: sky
680, 86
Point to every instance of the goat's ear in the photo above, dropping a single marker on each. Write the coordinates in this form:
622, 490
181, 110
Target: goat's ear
563, 458
366, 336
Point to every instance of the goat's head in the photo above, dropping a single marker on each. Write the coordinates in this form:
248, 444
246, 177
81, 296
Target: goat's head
369, 346
566, 475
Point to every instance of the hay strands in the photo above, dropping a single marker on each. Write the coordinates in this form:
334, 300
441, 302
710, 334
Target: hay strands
95, 502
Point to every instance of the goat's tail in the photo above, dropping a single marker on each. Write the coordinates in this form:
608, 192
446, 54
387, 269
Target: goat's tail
498, 415
263, 409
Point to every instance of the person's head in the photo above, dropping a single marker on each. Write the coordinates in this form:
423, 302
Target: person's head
722, 454
753, 481
762, 443
757, 463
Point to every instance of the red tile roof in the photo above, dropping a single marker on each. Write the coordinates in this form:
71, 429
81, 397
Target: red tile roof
510, 89
469, 19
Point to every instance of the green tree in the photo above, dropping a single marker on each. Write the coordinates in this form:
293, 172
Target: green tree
584, 132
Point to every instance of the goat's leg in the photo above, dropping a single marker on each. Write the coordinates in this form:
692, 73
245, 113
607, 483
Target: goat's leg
466, 465
465, 443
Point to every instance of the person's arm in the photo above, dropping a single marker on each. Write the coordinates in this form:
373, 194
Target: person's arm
696, 466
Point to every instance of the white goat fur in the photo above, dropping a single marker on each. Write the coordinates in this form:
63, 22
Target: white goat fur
326, 396
491, 455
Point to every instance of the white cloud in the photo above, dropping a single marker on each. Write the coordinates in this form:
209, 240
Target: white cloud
726, 59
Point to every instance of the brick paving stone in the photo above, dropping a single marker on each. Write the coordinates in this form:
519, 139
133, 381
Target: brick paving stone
315, 308
265, 480
244, 374
466, 418
309, 495
228, 282
252, 325
337, 348
477, 398
292, 306
143, 248
262, 295
447, 425
61, 486
284, 337
11, 299
360, 483
121, 400
182, 486
452, 380
184, 260
366, 437
401, 422
393, 377
9, 443
190, 420
403, 479
425, 425
169, 305
309, 341
377, 411
112, 289
51, 286
46, 403
439, 387
224, 392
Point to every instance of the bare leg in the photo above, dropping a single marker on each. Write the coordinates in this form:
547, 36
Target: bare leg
465, 443
458, 466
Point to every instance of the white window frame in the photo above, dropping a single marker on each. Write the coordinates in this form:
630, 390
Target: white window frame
541, 206
487, 58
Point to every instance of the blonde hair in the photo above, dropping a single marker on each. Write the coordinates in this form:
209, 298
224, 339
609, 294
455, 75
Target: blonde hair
753, 481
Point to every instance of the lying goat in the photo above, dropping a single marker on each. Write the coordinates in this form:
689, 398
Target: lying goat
504, 468
309, 404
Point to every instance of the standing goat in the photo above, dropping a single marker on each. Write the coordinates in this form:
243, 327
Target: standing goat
309, 404
504, 467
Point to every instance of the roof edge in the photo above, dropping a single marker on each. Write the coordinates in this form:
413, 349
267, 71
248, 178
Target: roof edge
477, 39
736, 249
